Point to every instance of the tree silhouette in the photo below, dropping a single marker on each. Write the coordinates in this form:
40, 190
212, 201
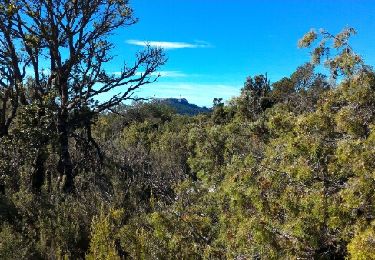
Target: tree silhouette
62, 46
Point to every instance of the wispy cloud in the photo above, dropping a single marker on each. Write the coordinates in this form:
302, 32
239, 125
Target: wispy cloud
163, 73
170, 45
170, 74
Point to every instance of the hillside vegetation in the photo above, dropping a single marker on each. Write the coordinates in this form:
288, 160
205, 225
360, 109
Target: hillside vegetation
286, 170
282, 171
182, 106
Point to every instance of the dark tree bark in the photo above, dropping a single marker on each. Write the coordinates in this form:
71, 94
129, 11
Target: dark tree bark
68, 39
65, 165
38, 176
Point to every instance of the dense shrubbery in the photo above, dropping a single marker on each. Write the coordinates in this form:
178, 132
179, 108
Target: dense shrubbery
284, 171
283, 181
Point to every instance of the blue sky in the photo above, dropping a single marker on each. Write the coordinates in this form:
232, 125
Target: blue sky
213, 45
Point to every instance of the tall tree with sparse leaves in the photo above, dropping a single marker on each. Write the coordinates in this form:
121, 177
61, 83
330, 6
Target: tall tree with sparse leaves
62, 45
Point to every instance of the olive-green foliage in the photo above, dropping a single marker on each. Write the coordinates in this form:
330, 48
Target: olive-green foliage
292, 184
362, 246
339, 57
102, 237
285, 171
11, 243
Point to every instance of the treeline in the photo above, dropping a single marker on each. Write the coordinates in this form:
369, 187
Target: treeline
284, 171
281, 172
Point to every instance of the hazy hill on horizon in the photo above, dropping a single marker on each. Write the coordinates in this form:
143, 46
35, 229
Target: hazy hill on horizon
182, 106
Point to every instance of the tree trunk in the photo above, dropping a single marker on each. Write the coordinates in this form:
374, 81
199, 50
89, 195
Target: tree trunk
65, 166
38, 176
3, 131
3, 126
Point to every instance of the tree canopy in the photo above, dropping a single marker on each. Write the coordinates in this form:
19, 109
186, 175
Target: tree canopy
53, 54
283, 171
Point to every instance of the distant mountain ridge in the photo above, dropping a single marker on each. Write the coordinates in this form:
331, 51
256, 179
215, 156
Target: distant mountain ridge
182, 106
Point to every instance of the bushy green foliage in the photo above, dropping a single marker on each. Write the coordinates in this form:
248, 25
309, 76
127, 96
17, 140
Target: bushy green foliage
362, 246
285, 171
102, 237
11, 244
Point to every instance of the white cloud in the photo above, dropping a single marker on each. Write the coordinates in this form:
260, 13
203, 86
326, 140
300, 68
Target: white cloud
170, 45
172, 74
163, 73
